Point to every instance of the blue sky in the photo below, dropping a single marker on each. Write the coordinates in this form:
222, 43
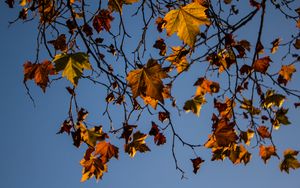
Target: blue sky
32, 155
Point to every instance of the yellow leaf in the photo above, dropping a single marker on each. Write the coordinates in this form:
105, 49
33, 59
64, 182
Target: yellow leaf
24, 2
195, 104
186, 21
147, 81
72, 65
117, 5
137, 144
178, 58
287, 71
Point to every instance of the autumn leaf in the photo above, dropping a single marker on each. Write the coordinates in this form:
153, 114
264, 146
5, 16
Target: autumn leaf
247, 136
178, 58
285, 73
289, 161
92, 135
225, 109
106, 151
137, 144
147, 81
160, 139
59, 43
127, 131
39, 72
154, 129
206, 86
161, 45
162, 116
117, 5
66, 127
266, 152
297, 44
261, 65
273, 99
92, 166
102, 20
275, 45
239, 154
224, 133
186, 21
196, 164
281, 118
263, 132
72, 65
194, 104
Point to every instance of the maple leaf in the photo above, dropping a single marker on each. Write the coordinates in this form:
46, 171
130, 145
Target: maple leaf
238, 154
147, 81
285, 73
297, 44
59, 43
186, 21
281, 118
160, 139
102, 20
263, 132
72, 65
275, 45
266, 152
225, 109
106, 151
154, 129
92, 135
224, 133
289, 161
39, 72
66, 127
178, 58
247, 136
196, 164
261, 65
194, 104
272, 99
162, 116
137, 144
206, 86
117, 5
92, 166
161, 45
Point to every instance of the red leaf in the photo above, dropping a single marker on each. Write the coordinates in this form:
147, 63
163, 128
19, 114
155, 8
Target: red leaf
160, 139
263, 132
102, 20
162, 116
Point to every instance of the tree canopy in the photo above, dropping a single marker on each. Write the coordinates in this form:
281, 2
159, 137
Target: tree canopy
128, 49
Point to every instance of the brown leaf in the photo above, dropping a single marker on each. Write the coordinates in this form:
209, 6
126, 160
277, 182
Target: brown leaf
88, 30
297, 104
206, 86
102, 20
162, 116
39, 72
254, 4
275, 45
266, 152
261, 65
263, 132
160, 24
297, 44
260, 48
224, 133
66, 127
160, 139
154, 129
161, 45
106, 151
59, 43
245, 69
127, 131
196, 164
10, 3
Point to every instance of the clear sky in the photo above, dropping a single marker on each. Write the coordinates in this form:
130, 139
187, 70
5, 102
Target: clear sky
34, 156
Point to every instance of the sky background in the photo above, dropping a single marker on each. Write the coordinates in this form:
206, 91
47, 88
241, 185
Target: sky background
33, 155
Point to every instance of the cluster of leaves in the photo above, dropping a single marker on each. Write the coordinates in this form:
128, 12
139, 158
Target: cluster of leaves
250, 91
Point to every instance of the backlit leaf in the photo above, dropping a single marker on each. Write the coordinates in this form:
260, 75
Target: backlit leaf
137, 144
273, 99
102, 20
289, 161
39, 72
194, 104
186, 21
178, 58
72, 65
275, 45
266, 152
147, 81
261, 65
106, 151
285, 73
263, 132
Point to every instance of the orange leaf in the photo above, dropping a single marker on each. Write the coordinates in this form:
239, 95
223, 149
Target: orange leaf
39, 72
263, 132
106, 151
262, 64
266, 152
224, 133
102, 20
